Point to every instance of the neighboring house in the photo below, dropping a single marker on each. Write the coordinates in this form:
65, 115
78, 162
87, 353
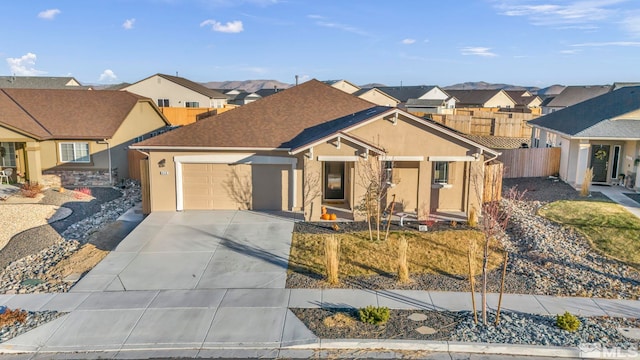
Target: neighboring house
240, 97
309, 147
73, 138
410, 97
524, 99
618, 85
268, 92
343, 85
572, 95
41, 82
377, 97
602, 133
175, 93
370, 94
488, 99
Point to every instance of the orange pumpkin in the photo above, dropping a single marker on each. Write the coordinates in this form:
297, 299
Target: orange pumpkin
333, 217
324, 216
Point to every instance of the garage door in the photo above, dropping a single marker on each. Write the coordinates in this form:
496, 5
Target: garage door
222, 186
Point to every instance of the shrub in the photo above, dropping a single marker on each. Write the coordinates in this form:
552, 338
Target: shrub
10, 317
473, 218
585, 189
31, 190
568, 322
375, 315
82, 192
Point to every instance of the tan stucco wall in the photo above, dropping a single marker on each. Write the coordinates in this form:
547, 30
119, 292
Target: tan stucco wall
634, 115
345, 86
157, 87
379, 98
7, 135
500, 100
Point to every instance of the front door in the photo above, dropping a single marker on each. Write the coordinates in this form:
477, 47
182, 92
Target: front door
334, 180
600, 162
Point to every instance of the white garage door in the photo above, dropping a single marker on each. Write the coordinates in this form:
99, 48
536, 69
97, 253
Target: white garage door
222, 186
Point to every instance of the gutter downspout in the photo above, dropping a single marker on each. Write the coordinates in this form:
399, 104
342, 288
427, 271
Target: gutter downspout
106, 141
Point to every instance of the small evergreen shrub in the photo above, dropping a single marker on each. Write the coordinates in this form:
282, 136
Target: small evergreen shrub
568, 322
375, 315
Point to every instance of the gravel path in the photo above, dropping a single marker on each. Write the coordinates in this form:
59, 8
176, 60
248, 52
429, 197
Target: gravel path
545, 258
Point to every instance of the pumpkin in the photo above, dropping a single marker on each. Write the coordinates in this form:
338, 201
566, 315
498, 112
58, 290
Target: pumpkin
333, 217
324, 216
324, 210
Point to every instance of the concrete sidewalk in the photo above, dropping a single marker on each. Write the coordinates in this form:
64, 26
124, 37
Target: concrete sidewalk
167, 291
211, 322
617, 194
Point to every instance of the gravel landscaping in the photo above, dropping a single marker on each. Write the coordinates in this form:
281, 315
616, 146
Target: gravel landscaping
514, 328
545, 258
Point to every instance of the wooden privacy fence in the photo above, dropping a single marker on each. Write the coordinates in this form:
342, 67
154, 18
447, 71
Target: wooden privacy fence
533, 162
133, 159
492, 189
476, 122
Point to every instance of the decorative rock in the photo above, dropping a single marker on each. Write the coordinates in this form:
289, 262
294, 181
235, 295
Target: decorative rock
417, 317
425, 330
630, 333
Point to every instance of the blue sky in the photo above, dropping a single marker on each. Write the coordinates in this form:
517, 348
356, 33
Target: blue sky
522, 42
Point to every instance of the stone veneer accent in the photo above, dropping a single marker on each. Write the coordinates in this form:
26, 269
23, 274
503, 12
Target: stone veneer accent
57, 178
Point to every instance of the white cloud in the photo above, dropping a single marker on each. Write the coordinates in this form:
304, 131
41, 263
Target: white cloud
408, 41
108, 75
632, 24
24, 65
609, 43
343, 27
570, 51
229, 27
128, 24
477, 51
49, 14
556, 13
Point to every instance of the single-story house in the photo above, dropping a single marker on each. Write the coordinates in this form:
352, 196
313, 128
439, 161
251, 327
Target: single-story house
572, 95
41, 82
422, 98
73, 137
602, 133
308, 147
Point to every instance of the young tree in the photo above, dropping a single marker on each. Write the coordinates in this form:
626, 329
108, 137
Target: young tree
311, 188
376, 177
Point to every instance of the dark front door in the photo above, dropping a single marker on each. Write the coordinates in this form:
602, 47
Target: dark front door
600, 162
334, 180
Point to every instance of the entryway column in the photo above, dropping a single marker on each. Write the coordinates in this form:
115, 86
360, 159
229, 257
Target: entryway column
34, 163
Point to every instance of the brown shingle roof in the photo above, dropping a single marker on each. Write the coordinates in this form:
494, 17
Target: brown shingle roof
268, 123
65, 114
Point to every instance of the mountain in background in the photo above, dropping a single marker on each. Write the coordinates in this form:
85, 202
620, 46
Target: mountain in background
247, 85
481, 85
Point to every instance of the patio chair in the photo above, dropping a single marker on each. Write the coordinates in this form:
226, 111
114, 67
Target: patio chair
6, 175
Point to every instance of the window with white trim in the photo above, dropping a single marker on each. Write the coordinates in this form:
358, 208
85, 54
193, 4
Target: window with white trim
74, 152
7, 154
441, 172
163, 102
193, 104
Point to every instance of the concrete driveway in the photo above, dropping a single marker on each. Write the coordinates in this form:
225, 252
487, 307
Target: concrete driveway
197, 250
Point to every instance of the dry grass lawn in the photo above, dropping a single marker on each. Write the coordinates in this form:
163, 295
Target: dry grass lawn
609, 227
443, 252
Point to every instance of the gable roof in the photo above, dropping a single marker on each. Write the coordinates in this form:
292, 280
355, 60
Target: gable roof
268, 92
572, 95
596, 117
270, 123
404, 93
45, 114
521, 97
41, 82
191, 85
475, 97
374, 90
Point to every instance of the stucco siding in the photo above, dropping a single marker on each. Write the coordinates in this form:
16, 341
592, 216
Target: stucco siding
157, 87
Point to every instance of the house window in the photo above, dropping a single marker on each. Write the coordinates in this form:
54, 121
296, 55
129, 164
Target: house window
615, 162
192, 104
388, 168
536, 138
163, 102
441, 172
7, 154
551, 139
75, 152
